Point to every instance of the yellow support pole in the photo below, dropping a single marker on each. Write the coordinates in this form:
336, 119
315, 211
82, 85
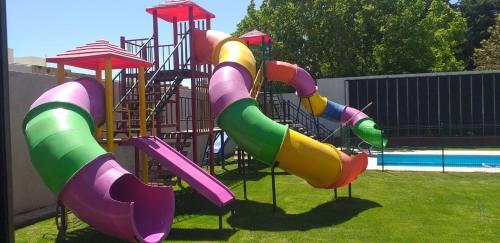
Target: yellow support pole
142, 122
109, 105
98, 131
60, 73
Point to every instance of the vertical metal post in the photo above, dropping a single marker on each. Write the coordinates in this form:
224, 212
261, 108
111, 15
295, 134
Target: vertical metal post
6, 210
350, 191
222, 159
397, 106
494, 105
471, 104
63, 217
408, 106
439, 101
273, 181
428, 104
142, 122
210, 115
450, 120
194, 95
244, 174
461, 109
482, 102
156, 48
418, 106
176, 41
109, 106
442, 148
60, 73
382, 148
387, 101
221, 212
335, 193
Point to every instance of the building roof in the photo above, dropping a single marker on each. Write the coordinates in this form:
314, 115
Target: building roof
93, 55
180, 9
255, 37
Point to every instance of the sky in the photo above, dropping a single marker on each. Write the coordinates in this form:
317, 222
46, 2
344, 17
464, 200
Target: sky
46, 28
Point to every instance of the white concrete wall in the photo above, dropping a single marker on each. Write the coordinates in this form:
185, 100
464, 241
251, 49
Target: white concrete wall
10, 54
30, 195
33, 61
29, 191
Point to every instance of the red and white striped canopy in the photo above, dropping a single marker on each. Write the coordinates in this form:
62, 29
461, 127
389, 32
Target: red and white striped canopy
180, 10
93, 55
255, 37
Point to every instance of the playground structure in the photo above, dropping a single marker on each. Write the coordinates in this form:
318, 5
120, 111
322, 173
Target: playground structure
143, 107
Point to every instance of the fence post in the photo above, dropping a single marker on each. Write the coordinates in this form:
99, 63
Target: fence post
442, 145
382, 148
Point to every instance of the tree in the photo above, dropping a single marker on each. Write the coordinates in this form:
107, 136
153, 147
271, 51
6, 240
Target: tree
480, 16
333, 38
487, 57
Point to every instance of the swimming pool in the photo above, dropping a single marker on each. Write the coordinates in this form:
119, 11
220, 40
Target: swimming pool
436, 160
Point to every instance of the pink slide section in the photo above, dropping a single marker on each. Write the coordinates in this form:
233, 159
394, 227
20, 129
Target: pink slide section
180, 165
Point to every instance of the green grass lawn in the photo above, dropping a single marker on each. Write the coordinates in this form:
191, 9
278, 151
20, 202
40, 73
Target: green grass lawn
386, 206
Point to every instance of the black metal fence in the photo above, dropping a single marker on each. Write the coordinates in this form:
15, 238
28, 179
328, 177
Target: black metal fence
466, 103
429, 152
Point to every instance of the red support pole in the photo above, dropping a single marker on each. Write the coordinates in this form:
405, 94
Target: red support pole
157, 88
210, 117
155, 39
194, 96
176, 42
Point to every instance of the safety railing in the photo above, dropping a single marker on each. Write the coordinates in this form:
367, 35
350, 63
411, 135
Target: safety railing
257, 84
295, 115
129, 120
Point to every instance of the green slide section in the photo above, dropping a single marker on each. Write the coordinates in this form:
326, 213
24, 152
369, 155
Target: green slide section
367, 130
60, 142
252, 130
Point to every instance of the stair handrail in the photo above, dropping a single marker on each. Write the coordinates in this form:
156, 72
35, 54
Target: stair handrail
123, 70
168, 94
150, 80
309, 118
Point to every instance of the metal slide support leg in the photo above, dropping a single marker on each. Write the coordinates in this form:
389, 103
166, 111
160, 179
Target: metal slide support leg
335, 193
350, 191
221, 212
244, 173
61, 219
273, 181
238, 154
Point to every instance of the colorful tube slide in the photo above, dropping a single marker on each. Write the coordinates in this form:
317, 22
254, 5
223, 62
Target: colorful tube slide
320, 164
58, 130
363, 126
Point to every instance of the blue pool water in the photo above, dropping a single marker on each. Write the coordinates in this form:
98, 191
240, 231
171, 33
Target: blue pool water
435, 160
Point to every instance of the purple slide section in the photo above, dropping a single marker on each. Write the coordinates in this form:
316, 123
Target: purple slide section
303, 83
116, 202
86, 93
102, 193
180, 165
229, 83
353, 114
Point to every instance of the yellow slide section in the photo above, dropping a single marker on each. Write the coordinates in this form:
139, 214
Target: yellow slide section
318, 163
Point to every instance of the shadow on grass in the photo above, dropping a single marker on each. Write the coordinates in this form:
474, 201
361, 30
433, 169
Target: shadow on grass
252, 215
200, 234
85, 235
